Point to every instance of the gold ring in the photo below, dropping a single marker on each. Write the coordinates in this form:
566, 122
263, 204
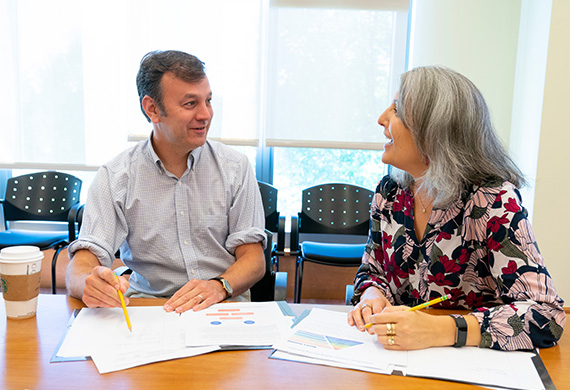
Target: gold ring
390, 329
391, 340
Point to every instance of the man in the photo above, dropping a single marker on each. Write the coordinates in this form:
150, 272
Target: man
185, 212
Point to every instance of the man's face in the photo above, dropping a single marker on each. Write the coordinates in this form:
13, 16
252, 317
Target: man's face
187, 115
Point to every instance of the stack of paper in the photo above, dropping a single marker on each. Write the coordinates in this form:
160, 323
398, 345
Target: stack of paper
237, 325
324, 337
102, 333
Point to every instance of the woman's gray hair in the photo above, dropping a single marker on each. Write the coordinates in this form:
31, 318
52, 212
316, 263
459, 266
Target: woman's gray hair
451, 124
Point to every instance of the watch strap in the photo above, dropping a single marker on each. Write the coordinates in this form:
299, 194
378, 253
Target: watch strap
461, 333
225, 285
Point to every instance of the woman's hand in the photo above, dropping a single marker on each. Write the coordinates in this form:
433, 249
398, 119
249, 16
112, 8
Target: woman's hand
397, 328
371, 302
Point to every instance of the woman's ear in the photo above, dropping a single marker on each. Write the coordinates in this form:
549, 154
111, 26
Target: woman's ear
151, 109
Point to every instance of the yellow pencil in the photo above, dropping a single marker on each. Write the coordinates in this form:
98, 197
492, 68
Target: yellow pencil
124, 306
421, 306
429, 303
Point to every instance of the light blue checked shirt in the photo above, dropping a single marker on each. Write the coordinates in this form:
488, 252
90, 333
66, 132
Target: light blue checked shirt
172, 230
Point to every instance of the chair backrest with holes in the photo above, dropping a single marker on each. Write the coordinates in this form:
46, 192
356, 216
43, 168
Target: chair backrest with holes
45, 196
269, 198
335, 208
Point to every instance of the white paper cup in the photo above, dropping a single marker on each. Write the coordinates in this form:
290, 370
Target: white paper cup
20, 272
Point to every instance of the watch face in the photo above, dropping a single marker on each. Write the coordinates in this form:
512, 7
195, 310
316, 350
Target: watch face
227, 287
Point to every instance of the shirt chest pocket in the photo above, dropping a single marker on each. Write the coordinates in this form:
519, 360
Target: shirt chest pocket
212, 226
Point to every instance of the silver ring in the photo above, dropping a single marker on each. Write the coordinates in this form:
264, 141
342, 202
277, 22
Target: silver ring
365, 305
201, 297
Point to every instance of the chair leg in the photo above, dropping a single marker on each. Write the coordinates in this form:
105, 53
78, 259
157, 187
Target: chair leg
53, 264
275, 263
298, 279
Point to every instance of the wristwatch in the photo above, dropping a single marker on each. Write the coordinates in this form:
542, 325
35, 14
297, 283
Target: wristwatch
461, 332
225, 285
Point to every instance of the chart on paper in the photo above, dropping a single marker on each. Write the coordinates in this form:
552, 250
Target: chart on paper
221, 315
243, 324
324, 334
321, 341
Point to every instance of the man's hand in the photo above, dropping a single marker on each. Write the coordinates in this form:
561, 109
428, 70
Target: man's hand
94, 284
196, 295
101, 288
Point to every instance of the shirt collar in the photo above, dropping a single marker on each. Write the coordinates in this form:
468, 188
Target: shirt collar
193, 157
152, 154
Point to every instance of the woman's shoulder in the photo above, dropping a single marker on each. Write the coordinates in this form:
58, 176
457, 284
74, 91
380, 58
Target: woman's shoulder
492, 191
387, 187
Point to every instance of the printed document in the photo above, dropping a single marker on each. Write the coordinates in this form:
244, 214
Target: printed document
324, 337
237, 324
102, 334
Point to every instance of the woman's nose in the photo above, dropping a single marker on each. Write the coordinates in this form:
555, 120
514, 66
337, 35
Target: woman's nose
383, 118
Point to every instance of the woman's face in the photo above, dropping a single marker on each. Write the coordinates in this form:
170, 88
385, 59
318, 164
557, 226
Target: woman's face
401, 151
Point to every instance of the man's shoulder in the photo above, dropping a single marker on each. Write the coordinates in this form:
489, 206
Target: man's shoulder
127, 158
225, 152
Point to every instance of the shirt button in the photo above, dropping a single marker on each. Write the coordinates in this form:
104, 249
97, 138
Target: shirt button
182, 213
185, 242
193, 272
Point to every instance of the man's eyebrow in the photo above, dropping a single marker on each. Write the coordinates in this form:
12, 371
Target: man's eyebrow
194, 96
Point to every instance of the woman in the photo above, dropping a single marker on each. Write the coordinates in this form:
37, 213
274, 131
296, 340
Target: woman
449, 220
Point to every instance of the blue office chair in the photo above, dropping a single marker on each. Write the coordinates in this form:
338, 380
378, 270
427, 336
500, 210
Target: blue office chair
330, 209
46, 197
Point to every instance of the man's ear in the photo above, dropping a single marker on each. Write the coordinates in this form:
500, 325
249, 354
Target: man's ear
151, 109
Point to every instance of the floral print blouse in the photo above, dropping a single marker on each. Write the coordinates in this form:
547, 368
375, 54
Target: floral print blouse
481, 250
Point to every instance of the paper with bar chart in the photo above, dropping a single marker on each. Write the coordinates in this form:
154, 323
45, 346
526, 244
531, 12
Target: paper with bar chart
251, 324
326, 335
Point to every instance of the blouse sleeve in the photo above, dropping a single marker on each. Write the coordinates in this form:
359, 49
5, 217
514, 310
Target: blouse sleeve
532, 314
371, 271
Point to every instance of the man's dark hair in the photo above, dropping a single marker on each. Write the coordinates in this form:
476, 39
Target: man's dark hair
156, 63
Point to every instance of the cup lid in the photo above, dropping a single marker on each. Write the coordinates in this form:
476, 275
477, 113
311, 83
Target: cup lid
21, 252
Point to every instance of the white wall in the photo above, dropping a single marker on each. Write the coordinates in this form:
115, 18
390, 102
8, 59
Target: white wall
476, 38
552, 196
528, 91
517, 53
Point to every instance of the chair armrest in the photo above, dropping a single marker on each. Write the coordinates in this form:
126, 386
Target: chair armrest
74, 217
348, 294
2, 221
294, 238
281, 236
280, 291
